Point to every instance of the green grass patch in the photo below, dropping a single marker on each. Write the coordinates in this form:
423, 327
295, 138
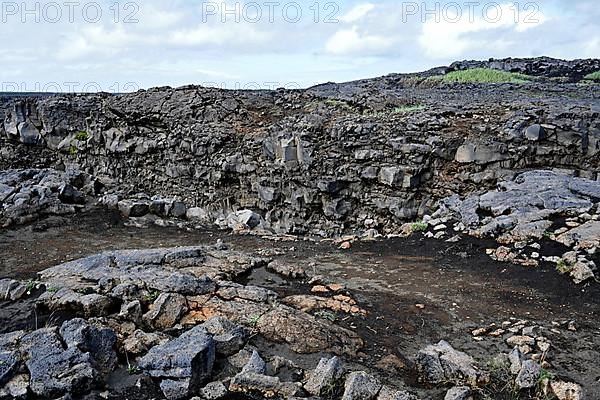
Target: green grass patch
481, 75
151, 296
563, 267
328, 315
408, 109
341, 104
82, 136
404, 109
252, 320
594, 76
419, 226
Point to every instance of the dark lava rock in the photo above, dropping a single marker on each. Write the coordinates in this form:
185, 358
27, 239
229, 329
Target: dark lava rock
55, 371
99, 341
229, 338
9, 362
69, 195
188, 358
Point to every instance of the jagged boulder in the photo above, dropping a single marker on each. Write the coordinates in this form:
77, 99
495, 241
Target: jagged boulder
325, 376
361, 386
98, 341
442, 363
183, 364
55, 371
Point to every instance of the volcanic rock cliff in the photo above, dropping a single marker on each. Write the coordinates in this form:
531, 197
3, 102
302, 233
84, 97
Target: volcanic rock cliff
335, 157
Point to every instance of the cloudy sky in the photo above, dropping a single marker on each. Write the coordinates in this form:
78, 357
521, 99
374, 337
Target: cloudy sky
121, 46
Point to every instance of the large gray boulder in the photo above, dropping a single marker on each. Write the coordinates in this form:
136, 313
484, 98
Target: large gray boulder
442, 363
55, 371
229, 337
134, 208
325, 376
586, 235
188, 359
481, 153
361, 386
529, 375
98, 341
535, 133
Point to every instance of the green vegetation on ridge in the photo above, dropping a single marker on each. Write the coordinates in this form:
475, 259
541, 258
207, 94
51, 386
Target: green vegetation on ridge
481, 75
594, 76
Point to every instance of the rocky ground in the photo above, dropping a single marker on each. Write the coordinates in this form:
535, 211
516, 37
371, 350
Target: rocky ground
392, 238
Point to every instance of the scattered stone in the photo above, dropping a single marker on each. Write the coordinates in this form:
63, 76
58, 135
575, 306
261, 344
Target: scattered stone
566, 390
9, 362
98, 341
133, 208
387, 393
166, 311
516, 361
12, 290
255, 364
140, 342
325, 376
214, 391
229, 338
16, 388
441, 363
361, 386
520, 341
529, 375
535, 133
581, 272
459, 393
288, 270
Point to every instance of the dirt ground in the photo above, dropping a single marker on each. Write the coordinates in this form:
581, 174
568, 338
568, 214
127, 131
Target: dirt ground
417, 291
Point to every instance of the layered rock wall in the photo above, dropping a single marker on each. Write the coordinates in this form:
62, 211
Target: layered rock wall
333, 158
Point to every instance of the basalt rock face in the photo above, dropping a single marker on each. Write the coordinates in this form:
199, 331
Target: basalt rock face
574, 70
332, 158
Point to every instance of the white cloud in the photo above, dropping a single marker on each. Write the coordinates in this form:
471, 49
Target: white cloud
350, 41
453, 36
171, 45
357, 12
219, 34
152, 18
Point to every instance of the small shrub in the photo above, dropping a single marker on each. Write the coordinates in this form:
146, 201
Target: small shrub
501, 384
73, 150
133, 370
563, 267
481, 75
419, 226
151, 296
328, 315
545, 375
594, 76
31, 286
253, 320
82, 136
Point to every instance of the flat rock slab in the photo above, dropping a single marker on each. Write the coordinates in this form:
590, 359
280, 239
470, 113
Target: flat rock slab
146, 268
